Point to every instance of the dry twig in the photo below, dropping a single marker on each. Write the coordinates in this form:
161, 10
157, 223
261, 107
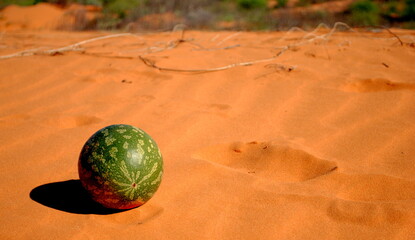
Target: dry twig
24, 53
215, 49
306, 39
72, 47
152, 64
75, 47
227, 38
393, 34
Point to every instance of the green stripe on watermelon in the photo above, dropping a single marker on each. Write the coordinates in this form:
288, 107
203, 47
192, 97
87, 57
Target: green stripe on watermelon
120, 166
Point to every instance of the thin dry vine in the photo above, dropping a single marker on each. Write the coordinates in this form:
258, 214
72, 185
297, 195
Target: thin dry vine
152, 64
308, 38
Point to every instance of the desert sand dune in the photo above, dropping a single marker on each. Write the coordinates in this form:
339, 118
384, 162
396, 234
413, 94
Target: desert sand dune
276, 135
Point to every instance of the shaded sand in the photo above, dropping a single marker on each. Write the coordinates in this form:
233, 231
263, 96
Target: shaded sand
317, 143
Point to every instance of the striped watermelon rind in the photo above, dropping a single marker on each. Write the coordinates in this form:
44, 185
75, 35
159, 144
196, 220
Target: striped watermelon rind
120, 166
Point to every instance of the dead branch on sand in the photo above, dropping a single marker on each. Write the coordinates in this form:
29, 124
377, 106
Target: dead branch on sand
216, 49
75, 47
227, 38
72, 47
309, 38
152, 64
25, 53
396, 36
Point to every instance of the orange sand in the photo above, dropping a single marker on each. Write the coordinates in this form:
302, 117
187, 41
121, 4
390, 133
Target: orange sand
322, 151
44, 16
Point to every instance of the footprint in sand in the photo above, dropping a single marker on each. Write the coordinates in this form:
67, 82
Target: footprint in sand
365, 213
144, 98
374, 188
218, 109
101, 75
71, 121
105, 75
268, 160
14, 119
140, 215
377, 85
367, 199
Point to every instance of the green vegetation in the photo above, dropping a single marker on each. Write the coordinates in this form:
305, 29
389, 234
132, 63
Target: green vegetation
302, 3
17, 2
365, 12
237, 14
116, 11
409, 11
281, 3
252, 4
392, 9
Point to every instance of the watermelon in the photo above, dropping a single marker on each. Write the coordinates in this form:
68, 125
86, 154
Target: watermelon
120, 166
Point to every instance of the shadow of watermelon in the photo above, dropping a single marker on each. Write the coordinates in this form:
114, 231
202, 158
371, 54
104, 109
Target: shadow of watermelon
68, 196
